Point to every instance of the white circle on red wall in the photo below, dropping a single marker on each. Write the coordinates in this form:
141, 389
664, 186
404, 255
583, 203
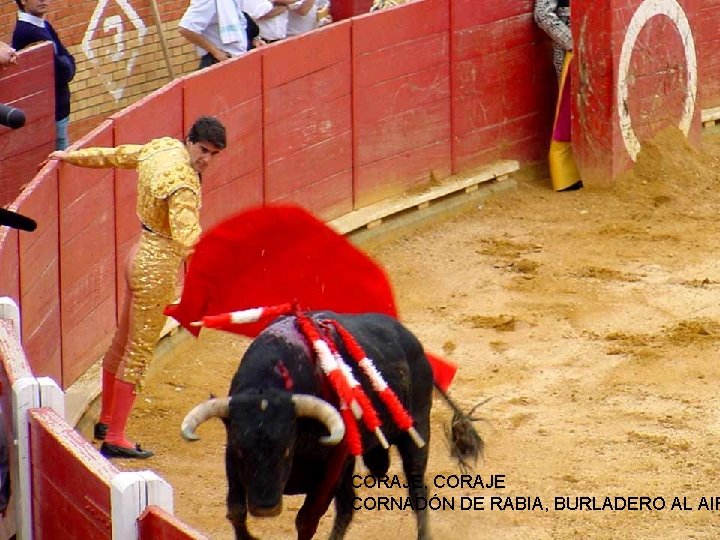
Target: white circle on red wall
646, 11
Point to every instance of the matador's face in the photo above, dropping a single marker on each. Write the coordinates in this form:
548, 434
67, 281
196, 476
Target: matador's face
202, 153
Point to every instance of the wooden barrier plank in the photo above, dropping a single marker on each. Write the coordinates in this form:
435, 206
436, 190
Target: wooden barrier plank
32, 73
303, 95
409, 22
401, 106
28, 85
39, 275
284, 64
377, 212
67, 470
313, 127
327, 198
525, 138
403, 133
208, 91
404, 93
307, 121
320, 161
9, 264
156, 524
466, 13
230, 198
471, 41
423, 53
402, 171
159, 114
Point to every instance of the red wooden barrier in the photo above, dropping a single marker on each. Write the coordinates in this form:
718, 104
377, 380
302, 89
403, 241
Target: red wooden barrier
401, 91
503, 84
70, 481
39, 263
637, 72
29, 86
344, 9
707, 37
87, 260
235, 180
9, 264
307, 123
156, 524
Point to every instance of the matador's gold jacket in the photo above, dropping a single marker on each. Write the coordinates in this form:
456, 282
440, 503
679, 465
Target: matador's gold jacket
168, 200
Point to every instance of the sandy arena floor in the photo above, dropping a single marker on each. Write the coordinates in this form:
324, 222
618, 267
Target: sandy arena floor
590, 319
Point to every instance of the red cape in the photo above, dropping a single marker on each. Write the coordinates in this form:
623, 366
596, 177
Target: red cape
278, 254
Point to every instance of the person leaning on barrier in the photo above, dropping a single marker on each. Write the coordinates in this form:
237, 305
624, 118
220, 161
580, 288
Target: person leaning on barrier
168, 204
219, 29
31, 27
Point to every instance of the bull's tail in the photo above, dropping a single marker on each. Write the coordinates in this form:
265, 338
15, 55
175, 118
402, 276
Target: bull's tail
466, 444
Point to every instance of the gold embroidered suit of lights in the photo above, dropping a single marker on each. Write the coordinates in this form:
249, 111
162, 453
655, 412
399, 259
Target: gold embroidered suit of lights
168, 204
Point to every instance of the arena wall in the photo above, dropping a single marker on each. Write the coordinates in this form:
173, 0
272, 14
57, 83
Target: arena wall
354, 113
28, 86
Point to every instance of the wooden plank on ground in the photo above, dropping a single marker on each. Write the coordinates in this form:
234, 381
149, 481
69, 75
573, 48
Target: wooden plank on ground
710, 117
374, 214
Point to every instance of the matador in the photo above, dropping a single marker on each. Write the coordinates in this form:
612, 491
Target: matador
168, 204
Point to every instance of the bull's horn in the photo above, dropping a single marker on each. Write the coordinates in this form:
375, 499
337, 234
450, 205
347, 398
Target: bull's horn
314, 407
204, 411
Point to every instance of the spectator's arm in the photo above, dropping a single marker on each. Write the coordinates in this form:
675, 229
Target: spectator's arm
303, 7
545, 14
274, 12
124, 157
64, 61
201, 41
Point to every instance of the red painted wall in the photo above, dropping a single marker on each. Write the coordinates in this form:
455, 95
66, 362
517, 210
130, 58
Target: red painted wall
30, 87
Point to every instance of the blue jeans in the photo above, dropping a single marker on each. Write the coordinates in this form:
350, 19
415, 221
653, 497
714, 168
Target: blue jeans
61, 133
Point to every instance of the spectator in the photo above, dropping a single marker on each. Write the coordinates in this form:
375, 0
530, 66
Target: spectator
302, 17
377, 5
168, 204
219, 29
273, 25
553, 16
32, 28
7, 54
323, 15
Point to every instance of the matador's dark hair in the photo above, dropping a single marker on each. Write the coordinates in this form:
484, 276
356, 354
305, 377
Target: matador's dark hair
19, 4
208, 129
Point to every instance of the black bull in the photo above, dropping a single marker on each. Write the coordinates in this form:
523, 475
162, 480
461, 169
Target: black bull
277, 418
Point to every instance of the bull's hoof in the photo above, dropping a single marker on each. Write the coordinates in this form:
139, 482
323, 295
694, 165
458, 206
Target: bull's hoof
114, 451
100, 431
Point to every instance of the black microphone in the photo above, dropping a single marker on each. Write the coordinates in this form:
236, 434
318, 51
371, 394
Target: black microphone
11, 117
16, 221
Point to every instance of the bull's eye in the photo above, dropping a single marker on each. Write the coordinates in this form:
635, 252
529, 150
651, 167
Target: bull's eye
287, 452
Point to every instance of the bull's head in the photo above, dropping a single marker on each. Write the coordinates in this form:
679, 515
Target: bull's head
261, 430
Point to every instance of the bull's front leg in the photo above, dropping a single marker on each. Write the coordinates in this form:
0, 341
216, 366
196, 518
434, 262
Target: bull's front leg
344, 498
236, 502
414, 464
